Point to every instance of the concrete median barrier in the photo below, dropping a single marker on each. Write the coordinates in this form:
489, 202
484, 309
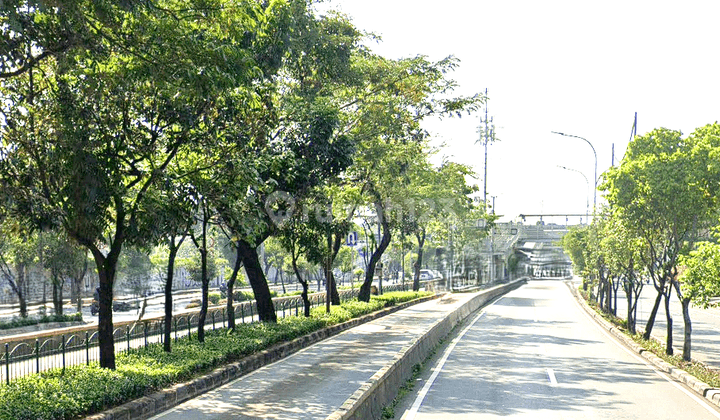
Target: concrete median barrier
368, 401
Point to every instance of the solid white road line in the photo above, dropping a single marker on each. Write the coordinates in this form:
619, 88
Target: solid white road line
410, 414
637, 357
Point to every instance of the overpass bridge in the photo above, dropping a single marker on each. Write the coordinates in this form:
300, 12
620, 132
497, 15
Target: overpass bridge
529, 249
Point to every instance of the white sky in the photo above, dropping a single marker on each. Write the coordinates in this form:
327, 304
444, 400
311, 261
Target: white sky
578, 67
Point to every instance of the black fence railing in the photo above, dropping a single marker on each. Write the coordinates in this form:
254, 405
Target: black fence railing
80, 346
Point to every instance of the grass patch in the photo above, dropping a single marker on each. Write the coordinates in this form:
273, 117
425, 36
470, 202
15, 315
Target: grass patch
83, 390
695, 368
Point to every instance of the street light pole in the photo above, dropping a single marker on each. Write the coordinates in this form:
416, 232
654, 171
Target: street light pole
594, 154
587, 184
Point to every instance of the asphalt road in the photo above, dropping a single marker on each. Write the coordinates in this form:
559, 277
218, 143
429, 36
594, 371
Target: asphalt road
535, 354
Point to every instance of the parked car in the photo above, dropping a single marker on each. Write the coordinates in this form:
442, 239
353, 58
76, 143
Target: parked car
428, 274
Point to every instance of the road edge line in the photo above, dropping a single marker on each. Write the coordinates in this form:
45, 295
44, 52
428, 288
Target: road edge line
702, 389
368, 401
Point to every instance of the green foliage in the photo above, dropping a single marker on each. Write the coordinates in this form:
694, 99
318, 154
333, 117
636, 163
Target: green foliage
240, 296
697, 369
214, 298
83, 390
574, 242
701, 277
23, 322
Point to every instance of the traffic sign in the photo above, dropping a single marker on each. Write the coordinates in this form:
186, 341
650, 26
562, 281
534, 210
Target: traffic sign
352, 239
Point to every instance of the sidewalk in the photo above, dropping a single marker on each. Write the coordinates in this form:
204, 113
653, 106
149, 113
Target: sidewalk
314, 382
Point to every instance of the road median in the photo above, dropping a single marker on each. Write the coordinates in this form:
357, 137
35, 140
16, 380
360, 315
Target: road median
165, 399
370, 398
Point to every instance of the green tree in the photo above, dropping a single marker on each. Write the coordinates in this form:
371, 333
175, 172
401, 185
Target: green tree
344, 260
623, 251
574, 242
385, 124
701, 277
134, 270
293, 143
65, 260
207, 269
170, 211
88, 142
666, 189
18, 253
298, 239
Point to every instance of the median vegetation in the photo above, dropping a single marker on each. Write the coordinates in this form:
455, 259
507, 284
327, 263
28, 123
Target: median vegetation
24, 322
83, 390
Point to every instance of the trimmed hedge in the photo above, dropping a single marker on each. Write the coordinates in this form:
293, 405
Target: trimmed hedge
83, 390
23, 322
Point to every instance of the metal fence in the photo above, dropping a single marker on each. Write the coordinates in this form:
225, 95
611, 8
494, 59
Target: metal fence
34, 355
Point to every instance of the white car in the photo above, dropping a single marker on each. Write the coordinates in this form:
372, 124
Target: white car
428, 275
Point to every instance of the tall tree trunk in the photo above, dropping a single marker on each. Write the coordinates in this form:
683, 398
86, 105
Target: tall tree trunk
668, 319
173, 251
17, 287
328, 272
106, 267
57, 305
304, 283
204, 280
653, 313
420, 236
636, 289
78, 280
616, 285
364, 293
685, 302
687, 343
58, 297
75, 290
205, 289
336, 244
167, 326
57, 293
258, 282
230, 308
74, 293
627, 288
608, 290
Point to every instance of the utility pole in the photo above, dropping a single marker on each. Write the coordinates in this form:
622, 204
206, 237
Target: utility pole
487, 135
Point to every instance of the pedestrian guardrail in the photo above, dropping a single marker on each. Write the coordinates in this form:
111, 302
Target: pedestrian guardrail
79, 345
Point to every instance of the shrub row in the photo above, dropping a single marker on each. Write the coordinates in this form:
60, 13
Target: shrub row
23, 322
84, 390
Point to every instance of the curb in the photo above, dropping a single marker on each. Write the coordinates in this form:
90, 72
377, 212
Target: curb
156, 403
368, 401
701, 388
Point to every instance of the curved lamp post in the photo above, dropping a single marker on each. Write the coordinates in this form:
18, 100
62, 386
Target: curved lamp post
595, 154
587, 197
